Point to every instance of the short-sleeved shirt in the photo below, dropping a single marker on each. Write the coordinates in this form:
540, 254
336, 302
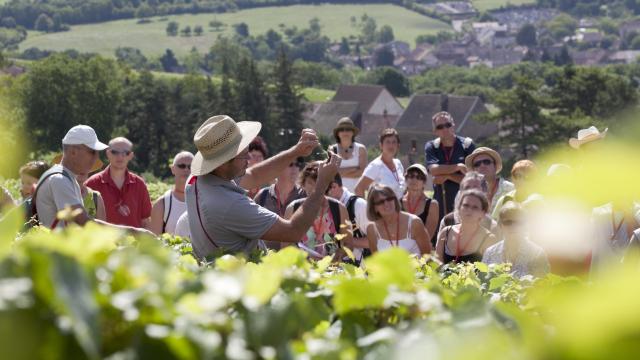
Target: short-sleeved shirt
504, 187
435, 154
182, 226
380, 173
127, 206
232, 220
531, 259
55, 193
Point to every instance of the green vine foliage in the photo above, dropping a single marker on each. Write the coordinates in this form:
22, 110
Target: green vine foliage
95, 292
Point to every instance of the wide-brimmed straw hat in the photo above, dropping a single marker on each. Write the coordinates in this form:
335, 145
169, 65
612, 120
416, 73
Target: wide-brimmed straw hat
96, 166
345, 123
497, 159
219, 140
586, 136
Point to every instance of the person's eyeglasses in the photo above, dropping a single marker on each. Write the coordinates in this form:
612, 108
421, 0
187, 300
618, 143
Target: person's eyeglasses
119, 152
446, 125
344, 129
183, 166
481, 162
382, 201
415, 176
510, 222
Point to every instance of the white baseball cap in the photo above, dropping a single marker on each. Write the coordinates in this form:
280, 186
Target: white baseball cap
83, 135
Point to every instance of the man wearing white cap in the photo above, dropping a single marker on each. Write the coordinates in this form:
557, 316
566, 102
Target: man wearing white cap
221, 217
58, 188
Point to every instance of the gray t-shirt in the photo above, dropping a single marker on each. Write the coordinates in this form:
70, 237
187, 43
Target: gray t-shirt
55, 193
232, 220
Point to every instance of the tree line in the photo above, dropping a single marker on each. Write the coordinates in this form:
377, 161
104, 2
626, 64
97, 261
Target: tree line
71, 12
158, 114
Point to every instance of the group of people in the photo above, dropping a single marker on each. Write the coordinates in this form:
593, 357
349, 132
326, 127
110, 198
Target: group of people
232, 197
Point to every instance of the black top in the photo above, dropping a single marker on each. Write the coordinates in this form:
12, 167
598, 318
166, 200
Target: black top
475, 256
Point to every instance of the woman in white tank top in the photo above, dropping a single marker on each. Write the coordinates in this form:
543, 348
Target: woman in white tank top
391, 227
353, 154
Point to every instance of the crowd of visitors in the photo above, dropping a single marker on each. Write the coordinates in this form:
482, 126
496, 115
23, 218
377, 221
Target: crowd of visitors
232, 197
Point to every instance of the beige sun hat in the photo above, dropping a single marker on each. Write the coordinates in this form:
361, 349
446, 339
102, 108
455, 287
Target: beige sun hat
497, 159
586, 136
219, 140
418, 167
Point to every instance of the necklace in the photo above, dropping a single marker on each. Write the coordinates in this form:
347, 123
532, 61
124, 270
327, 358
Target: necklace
386, 228
411, 206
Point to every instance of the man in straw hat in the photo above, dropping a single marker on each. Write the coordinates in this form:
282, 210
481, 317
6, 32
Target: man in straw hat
488, 162
586, 136
58, 188
221, 217
444, 157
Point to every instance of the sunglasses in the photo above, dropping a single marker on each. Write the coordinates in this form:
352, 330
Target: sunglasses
415, 176
482, 162
446, 125
382, 201
183, 166
344, 129
120, 152
510, 222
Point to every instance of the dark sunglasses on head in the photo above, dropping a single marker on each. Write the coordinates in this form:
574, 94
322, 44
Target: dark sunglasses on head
446, 125
510, 222
120, 152
481, 162
183, 166
382, 201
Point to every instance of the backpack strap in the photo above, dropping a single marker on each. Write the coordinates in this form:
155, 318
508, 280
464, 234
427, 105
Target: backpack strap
334, 209
297, 204
262, 196
167, 210
351, 210
94, 194
194, 181
34, 210
351, 207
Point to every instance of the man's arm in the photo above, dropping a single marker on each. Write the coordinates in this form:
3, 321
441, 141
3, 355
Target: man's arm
82, 218
437, 169
157, 215
266, 171
293, 230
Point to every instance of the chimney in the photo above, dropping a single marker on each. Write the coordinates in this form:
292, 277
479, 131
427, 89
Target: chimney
444, 102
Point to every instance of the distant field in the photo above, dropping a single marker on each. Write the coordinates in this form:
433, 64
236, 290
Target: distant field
484, 5
151, 38
316, 95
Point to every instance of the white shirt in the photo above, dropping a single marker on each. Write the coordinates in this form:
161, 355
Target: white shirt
531, 259
182, 226
381, 174
353, 161
360, 209
55, 193
177, 209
